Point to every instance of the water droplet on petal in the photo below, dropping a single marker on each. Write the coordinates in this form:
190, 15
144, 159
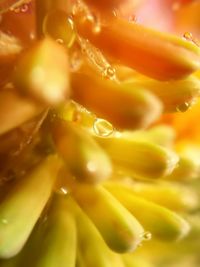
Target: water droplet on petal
59, 26
61, 188
146, 236
183, 107
188, 36
32, 36
103, 128
63, 191
75, 61
132, 18
97, 60
16, 10
114, 13
95, 20
109, 73
21, 8
60, 41
24, 8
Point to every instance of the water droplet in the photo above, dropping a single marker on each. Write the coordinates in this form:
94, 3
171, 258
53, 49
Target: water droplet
20, 8
188, 36
32, 36
103, 128
79, 8
63, 190
146, 236
70, 21
95, 20
89, 17
97, 60
75, 61
183, 107
24, 8
4, 221
60, 41
109, 73
97, 28
15, 9
114, 13
132, 18
59, 26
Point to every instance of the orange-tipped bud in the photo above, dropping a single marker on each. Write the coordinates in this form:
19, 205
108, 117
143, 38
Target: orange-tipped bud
155, 54
123, 105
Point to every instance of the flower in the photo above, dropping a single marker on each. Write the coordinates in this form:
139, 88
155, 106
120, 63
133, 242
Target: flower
91, 167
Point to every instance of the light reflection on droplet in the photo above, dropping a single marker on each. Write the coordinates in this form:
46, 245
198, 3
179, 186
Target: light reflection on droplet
59, 26
103, 128
63, 190
183, 107
32, 36
146, 236
16, 10
60, 41
24, 8
94, 19
188, 36
109, 73
20, 8
132, 18
75, 61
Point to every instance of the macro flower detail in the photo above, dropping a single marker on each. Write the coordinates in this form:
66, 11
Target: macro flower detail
99, 135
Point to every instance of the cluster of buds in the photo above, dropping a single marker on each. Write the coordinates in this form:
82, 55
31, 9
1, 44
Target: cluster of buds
96, 152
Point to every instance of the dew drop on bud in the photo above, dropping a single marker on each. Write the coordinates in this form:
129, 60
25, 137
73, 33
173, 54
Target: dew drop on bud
96, 24
188, 36
62, 191
16, 10
114, 13
103, 128
94, 20
146, 236
24, 8
132, 18
61, 186
183, 107
75, 61
32, 36
59, 26
60, 41
109, 73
